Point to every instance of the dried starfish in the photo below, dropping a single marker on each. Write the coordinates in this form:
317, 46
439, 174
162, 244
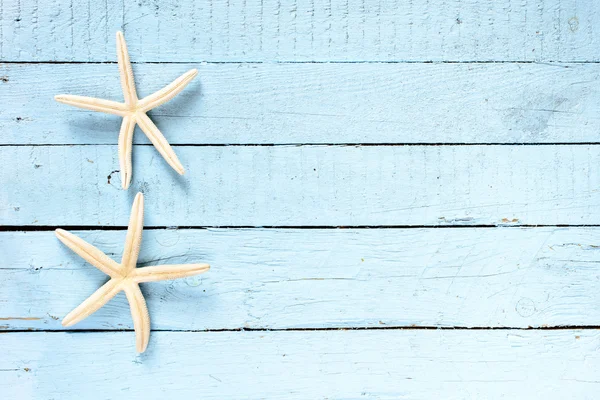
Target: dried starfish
134, 111
124, 276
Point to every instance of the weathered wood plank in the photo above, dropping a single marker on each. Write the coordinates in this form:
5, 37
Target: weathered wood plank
321, 30
305, 185
315, 103
290, 278
303, 365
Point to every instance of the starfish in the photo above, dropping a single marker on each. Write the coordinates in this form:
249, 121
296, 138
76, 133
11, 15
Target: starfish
124, 276
134, 112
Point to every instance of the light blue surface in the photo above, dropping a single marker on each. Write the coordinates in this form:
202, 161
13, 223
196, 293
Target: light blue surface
300, 103
349, 195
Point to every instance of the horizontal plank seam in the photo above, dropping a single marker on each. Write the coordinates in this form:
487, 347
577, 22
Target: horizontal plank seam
45, 228
364, 328
348, 144
551, 62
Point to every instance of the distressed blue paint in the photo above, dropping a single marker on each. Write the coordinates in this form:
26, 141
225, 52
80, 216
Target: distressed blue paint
310, 278
300, 365
306, 185
315, 103
320, 278
289, 30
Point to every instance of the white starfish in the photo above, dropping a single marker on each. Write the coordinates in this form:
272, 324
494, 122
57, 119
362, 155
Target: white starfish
134, 111
124, 276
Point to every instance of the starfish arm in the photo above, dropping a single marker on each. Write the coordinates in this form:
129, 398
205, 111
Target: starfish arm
159, 141
125, 146
168, 272
168, 92
93, 303
94, 104
90, 253
127, 82
141, 318
134, 234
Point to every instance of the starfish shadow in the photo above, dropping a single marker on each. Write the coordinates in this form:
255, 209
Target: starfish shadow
97, 125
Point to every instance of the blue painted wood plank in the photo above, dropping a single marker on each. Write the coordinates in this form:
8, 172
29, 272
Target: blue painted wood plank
287, 30
314, 103
303, 365
305, 185
323, 278
310, 278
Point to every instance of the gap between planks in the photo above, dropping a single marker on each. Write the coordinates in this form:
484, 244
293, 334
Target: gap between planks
436, 144
45, 228
548, 62
358, 328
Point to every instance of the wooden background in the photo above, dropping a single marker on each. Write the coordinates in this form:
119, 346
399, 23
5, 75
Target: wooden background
399, 199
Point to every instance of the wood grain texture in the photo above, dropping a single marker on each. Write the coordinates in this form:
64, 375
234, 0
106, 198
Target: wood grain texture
305, 185
299, 75
323, 278
314, 103
288, 30
302, 365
